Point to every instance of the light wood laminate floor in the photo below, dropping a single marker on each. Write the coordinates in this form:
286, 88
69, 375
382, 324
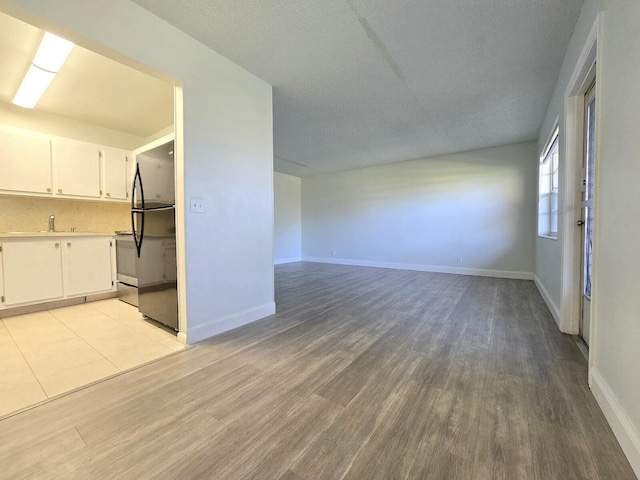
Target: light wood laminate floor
363, 374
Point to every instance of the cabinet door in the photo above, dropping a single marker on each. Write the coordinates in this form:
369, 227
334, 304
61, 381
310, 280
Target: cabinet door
115, 162
87, 262
32, 271
25, 163
76, 168
1, 281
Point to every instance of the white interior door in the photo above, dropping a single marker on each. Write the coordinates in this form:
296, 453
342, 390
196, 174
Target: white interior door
586, 221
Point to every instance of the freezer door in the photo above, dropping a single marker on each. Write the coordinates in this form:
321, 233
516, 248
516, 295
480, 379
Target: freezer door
154, 181
156, 268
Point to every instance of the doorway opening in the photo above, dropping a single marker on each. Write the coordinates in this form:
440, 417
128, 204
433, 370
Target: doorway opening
72, 156
579, 222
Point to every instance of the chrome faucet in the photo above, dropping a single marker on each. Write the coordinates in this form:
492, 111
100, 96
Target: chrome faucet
52, 223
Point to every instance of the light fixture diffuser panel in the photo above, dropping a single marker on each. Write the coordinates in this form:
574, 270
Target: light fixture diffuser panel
33, 86
52, 53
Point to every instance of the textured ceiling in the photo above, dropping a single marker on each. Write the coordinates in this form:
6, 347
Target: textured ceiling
89, 87
360, 83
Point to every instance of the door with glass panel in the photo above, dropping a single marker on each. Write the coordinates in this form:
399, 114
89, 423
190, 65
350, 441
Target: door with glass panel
586, 222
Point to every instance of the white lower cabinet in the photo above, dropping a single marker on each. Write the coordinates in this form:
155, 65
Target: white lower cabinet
87, 265
45, 269
32, 271
1, 282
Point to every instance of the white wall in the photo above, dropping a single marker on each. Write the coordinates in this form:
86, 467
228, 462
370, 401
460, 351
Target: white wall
228, 154
287, 218
547, 270
478, 207
615, 336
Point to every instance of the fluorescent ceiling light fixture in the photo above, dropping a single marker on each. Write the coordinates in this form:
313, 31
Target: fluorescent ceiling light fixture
51, 54
33, 85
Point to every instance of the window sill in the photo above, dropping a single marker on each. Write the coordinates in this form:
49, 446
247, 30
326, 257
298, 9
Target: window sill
549, 237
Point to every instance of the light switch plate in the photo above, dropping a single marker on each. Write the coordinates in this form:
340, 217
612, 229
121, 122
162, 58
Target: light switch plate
197, 205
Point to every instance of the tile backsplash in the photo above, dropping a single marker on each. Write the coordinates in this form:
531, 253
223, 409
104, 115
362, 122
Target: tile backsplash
28, 214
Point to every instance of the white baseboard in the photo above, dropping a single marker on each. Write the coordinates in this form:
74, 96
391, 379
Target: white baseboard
219, 325
555, 311
622, 427
280, 261
480, 272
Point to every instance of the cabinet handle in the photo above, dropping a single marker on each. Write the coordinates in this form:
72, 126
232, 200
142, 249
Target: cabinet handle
48, 189
68, 244
56, 244
108, 194
59, 190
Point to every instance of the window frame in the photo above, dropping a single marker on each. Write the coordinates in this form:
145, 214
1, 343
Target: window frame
549, 186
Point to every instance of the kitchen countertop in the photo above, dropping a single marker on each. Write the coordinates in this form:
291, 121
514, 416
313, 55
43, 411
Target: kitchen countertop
6, 235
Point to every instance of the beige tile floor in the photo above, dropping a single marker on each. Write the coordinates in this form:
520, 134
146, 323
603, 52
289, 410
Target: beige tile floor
48, 353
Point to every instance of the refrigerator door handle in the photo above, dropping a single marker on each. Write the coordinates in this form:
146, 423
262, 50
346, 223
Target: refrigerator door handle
137, 240
137, 179
159, 209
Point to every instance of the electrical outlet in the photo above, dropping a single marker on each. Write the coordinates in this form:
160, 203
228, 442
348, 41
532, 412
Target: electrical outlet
458, 260
197, 205
333, 253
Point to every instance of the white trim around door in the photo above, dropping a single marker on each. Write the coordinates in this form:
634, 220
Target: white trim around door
584, 73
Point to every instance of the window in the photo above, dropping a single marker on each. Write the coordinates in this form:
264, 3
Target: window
548, 189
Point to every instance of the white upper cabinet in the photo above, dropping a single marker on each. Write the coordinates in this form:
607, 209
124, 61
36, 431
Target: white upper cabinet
115, 173
25, 163
76, 168
32, 163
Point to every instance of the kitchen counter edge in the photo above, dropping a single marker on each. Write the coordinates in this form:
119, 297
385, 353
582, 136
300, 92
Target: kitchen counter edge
9, 235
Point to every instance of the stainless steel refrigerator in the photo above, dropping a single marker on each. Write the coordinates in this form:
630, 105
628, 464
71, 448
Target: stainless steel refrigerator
154, 233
